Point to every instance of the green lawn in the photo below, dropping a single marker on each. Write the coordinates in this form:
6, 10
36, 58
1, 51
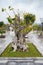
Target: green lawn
32, 52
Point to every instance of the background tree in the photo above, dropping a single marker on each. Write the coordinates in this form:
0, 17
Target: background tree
1, 23
2, 29
35, 27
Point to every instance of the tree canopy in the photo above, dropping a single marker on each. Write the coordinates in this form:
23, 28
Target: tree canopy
29, 18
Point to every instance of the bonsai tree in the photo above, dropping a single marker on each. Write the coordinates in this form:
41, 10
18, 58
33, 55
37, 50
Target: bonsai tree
18, 26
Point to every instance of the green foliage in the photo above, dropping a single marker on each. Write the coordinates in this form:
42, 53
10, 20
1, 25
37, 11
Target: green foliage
9, 19
40, 27
35, 27
29, 18
10, 8
3, 9
2, 31
21, 23
1, 23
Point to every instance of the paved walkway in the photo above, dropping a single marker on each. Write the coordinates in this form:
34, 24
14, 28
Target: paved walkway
5, 42
33, 37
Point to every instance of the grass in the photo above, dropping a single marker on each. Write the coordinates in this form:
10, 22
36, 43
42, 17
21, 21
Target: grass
32, 52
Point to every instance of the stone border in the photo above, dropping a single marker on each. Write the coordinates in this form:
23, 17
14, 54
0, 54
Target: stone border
17, 60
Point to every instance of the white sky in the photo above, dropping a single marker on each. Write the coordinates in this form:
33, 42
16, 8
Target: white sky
31, 6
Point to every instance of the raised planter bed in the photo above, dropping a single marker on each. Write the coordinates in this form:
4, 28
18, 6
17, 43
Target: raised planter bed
32, 52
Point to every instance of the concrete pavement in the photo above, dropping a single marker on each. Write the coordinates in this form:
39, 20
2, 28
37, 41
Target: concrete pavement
33, 37
5, 42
